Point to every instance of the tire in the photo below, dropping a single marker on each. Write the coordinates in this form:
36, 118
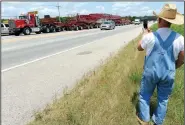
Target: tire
70, 29
38, 32
77, 28
81, 28
17, 33
47, 30
63, 29
26, 31
58, 30
52, 29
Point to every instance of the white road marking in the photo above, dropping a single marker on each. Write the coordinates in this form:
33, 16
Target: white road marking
45, 57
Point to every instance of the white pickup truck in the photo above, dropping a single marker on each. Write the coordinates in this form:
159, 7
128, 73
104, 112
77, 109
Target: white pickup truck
4, 29
137, 21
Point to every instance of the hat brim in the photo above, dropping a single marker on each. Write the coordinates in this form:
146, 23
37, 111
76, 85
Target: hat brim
179, 20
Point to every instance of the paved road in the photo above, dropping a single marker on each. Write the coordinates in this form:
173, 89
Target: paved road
33, 73
19, 52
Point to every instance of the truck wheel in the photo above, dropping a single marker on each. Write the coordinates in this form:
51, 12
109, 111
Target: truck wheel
26, 31
77, 28
58, 30
51, 29
47, 30
81, 28
54, 29
17, 33
38, 32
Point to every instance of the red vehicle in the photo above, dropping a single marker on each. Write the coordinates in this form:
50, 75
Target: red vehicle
80, 22
26, 24
49, 24
30, 23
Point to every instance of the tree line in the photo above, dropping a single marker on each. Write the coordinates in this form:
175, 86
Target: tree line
149, 18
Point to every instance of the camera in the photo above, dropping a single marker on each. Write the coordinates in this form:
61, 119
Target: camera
145, 24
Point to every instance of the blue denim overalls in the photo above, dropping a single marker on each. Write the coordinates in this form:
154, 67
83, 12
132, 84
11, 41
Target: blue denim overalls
159, 71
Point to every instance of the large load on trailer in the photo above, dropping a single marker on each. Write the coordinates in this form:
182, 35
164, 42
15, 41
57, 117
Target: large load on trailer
50, 24
30, 22
78, 22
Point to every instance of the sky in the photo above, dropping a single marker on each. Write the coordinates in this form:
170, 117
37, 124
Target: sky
12, 9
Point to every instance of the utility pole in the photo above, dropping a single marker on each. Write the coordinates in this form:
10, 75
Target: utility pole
58, 11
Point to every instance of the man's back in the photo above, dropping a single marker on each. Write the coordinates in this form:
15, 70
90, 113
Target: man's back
148, 41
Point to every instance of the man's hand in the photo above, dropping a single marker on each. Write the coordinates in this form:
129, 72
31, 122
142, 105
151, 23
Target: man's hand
146, 31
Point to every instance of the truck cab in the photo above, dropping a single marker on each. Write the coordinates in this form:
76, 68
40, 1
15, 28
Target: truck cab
137, 21
26, 24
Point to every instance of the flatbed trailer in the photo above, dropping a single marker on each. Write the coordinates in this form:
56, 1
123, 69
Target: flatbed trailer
51, 25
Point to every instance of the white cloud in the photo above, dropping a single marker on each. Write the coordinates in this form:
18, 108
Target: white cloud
13, 9
78, 5
145, 8
11, 12
125, 8
138, 3
11, 2
84, 11
121, 4
149, 12
102, 8
125, 4
157, 11
114, 9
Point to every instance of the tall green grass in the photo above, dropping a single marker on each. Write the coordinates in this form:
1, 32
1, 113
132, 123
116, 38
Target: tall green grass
109, 95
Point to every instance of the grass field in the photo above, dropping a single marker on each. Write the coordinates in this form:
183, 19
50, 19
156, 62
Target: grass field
108, 95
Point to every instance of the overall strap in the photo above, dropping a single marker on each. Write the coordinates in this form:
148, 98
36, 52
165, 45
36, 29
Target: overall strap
168, 42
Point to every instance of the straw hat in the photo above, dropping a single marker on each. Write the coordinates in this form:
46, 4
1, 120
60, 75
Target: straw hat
170, 14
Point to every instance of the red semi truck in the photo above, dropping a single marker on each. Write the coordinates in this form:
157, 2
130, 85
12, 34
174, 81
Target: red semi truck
30, 23
25, 24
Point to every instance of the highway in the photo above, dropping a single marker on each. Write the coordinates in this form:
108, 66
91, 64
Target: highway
38, 68
26, 50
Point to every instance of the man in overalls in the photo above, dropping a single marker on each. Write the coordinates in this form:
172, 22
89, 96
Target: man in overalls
164, 54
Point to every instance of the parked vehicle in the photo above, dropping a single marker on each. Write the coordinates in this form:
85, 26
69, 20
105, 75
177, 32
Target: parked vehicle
109, 25
137, 21
4, 29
